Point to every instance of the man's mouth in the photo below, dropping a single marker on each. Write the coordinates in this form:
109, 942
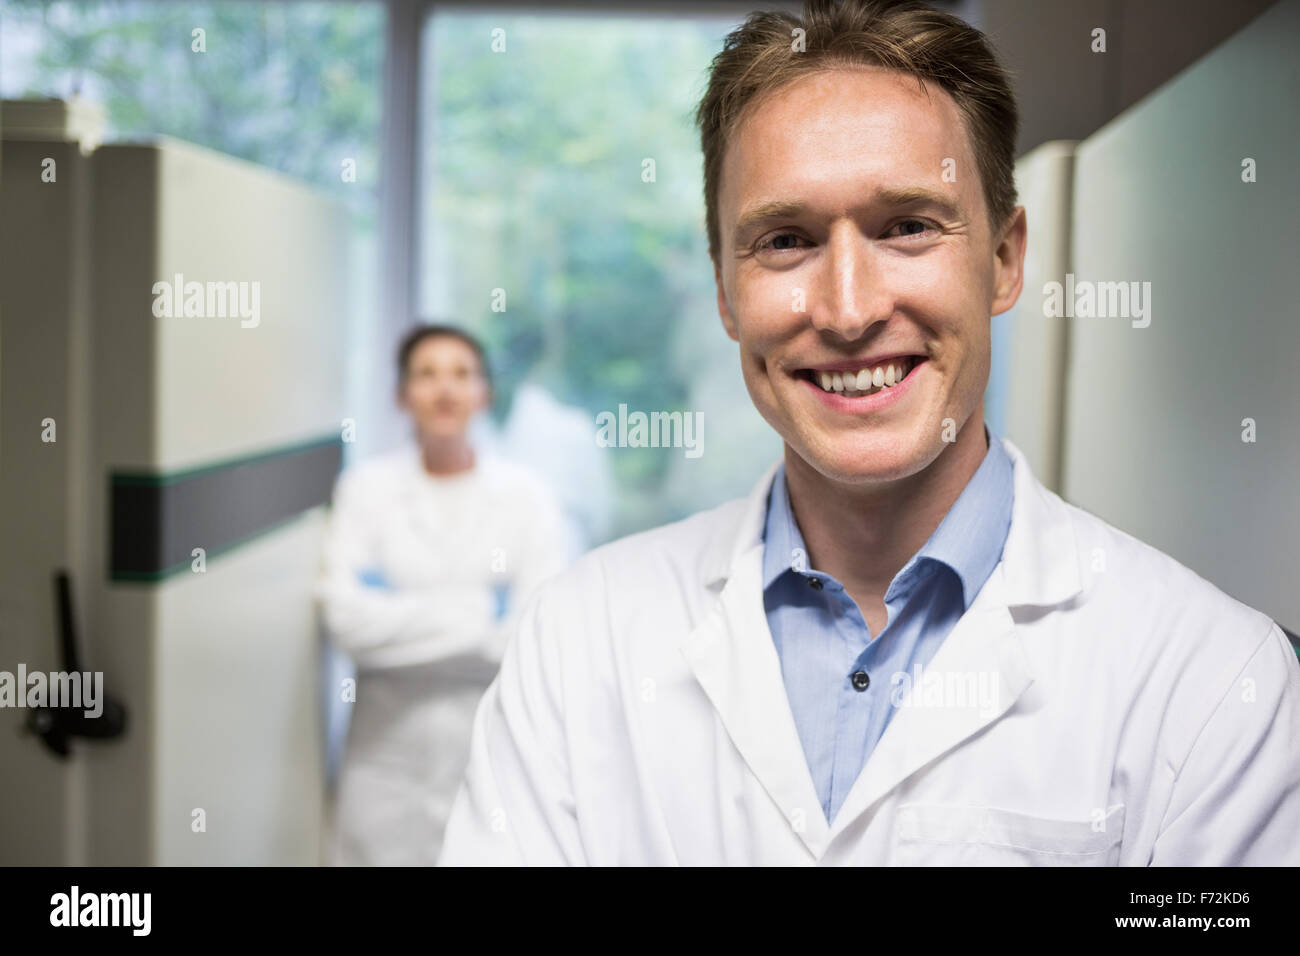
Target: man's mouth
862, 380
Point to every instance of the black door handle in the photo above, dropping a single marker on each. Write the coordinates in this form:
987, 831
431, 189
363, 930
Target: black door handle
56, 726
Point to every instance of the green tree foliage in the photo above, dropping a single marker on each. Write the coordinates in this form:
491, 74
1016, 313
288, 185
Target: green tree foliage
293, 86
537, 159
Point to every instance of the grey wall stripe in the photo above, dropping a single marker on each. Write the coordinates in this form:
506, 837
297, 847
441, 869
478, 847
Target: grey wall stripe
158, 519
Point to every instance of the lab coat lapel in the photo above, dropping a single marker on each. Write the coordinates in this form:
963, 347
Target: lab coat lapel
734, 659
984, 656
1041, 566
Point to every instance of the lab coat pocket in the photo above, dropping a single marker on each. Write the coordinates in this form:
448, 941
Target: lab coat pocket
938, 835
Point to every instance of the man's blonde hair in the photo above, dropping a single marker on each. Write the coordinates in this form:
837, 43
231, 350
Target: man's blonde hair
761, 55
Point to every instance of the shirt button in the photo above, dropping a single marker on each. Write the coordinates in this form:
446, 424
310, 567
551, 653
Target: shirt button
815, 583
861, 681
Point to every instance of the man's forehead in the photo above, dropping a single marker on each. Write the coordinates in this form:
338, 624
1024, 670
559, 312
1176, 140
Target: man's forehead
878, 123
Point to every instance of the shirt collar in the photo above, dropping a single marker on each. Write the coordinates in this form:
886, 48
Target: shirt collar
968, 540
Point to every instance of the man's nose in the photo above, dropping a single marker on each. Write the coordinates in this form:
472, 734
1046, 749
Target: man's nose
851, 295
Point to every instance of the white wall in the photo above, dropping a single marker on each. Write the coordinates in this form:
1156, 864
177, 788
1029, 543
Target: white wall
1154, 423
219, 671
40, 358
1026, 399
223, 666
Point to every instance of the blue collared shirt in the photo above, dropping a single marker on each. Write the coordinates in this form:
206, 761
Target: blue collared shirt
823, 641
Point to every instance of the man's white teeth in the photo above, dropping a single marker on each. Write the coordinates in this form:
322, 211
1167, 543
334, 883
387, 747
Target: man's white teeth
867, 380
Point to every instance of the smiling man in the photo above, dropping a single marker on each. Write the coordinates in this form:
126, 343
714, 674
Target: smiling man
900, 648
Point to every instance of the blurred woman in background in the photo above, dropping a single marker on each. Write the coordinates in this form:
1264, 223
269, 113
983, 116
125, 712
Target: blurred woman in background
431, 553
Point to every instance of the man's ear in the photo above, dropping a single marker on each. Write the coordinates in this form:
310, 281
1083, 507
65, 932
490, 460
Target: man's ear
724, 311
1009, 261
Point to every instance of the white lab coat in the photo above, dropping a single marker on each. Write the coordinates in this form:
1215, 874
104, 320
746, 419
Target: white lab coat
427, 642
1140, 716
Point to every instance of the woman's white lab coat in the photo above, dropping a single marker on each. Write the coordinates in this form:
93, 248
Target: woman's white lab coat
415, 567
1098, 704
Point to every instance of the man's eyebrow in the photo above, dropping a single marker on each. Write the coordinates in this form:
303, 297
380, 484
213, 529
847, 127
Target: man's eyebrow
906, 196
764, 211
917, 196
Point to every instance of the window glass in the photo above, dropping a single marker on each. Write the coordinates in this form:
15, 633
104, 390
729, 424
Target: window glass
562, 219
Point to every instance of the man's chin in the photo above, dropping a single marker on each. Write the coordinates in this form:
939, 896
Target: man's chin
854, 460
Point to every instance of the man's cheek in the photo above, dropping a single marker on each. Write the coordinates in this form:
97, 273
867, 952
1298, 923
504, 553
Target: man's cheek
757, 329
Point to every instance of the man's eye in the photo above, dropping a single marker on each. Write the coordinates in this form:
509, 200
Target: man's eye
779, 242
911, 227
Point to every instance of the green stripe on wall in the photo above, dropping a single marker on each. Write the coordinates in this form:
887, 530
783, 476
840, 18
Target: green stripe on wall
157, 519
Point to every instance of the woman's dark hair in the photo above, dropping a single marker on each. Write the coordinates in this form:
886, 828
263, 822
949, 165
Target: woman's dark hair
421, 333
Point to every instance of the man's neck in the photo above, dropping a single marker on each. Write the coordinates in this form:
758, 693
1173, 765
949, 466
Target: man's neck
862, 536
